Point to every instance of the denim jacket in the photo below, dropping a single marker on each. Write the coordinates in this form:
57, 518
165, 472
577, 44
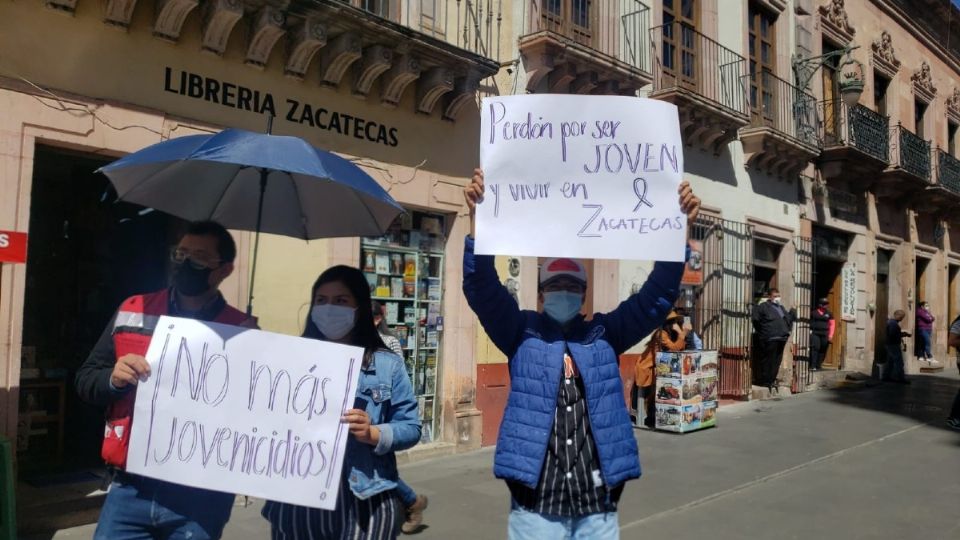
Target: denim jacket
386, 394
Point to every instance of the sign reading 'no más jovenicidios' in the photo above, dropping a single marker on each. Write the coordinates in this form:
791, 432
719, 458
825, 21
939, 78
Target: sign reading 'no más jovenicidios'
244, 411
581, 176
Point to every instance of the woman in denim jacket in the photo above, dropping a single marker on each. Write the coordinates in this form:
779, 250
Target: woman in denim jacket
384, 420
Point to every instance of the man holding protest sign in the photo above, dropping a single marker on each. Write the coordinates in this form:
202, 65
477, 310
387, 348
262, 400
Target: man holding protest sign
566, 446
137, 506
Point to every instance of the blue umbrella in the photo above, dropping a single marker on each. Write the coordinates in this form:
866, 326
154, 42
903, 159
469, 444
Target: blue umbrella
255, 182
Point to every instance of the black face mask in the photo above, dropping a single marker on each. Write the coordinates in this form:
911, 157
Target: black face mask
190, 281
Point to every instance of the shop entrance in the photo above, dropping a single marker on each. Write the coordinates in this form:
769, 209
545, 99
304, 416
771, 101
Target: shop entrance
882, 304
86, 254
830, 250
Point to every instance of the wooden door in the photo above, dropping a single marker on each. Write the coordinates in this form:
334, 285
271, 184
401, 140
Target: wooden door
834, 358
832, 105
571, 18
680, 42
762, 52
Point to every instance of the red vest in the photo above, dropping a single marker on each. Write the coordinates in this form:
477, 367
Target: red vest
136, 320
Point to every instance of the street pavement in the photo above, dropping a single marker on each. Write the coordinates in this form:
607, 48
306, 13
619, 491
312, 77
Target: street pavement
848, 463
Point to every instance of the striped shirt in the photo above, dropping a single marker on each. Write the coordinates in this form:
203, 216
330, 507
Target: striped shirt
392, 343
571, 483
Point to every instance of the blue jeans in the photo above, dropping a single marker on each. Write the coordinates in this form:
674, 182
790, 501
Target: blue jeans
406, 493
143, 508
924, 346
526, 525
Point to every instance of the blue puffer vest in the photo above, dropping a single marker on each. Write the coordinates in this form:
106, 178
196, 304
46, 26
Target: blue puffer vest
535, 372
535, 345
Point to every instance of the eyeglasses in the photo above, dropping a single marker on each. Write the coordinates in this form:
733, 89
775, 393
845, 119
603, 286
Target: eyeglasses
181, 256
575, 288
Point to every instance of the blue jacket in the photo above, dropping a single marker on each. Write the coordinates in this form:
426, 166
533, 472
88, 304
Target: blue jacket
535, 345
386, 393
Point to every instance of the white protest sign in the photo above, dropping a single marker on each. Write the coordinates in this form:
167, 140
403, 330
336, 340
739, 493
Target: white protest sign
244, 411
581, 176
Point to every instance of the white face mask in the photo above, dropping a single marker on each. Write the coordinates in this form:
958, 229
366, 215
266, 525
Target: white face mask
334, 322
777, 300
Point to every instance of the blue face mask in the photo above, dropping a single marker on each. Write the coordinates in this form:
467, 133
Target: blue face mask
562, 306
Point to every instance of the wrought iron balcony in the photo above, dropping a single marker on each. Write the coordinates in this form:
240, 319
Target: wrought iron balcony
857, 127
783, 134
909, 152
472, 26
704, 79
856, 143
580, 46
942, 196
948, 172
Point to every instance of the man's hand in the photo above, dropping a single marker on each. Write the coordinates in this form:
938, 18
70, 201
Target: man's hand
689, 203
359, 423
129, 369
473, 193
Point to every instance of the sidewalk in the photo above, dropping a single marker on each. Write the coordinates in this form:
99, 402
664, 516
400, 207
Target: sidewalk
863, 462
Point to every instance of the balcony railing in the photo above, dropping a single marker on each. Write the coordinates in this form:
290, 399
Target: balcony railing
857, 127
948, 171
910, 152
613, 28
473, 25
687, 59
777, 104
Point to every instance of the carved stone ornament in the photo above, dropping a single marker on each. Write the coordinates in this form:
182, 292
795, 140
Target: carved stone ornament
884, 57
923, 83
836, 25
953, 105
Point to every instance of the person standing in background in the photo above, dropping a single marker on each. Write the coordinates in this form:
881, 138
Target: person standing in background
924, 342
953, 340
413, 503
773, 324
670, 337
894, 342
822, 327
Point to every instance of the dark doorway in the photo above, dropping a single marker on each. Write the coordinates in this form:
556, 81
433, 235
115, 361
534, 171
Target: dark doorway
921, 296
86, 254
830, 250
882, 303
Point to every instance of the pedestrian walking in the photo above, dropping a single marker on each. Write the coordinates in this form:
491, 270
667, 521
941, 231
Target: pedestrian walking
670, 337
565, 463
384, 420
138, 507
894, 371
773, 325
924, 342
414, 504
822, 327
953, 340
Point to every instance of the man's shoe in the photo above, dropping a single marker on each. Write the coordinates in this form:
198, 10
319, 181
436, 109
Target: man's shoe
953, 423
415, 515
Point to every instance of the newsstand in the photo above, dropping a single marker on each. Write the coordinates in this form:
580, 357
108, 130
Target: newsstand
687, 384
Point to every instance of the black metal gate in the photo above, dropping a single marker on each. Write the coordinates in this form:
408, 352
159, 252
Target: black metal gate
803, 275
722, 301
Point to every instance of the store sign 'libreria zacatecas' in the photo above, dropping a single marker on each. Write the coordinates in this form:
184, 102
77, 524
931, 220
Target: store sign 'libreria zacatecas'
235, 96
